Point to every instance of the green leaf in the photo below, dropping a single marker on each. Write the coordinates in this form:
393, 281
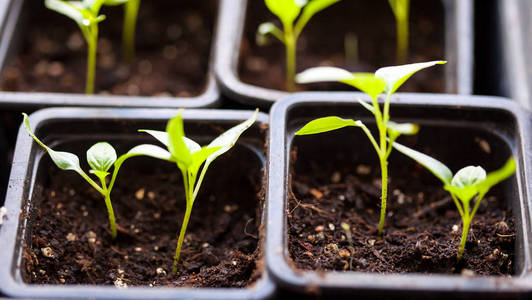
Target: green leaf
70, 9
176, 144
495, 177
468, 176
192, 146
326, 124
101, 156
395, 76
286, 10
366, 82
436, 167
228, 139
161, 136
403, 128
201, 156
150, 150
65, 160
312, 8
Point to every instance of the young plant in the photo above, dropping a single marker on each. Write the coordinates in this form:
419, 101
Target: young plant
86, 14
101, 157
401, 11
128, 34
467, 184
287, 11
386, 80
189, 157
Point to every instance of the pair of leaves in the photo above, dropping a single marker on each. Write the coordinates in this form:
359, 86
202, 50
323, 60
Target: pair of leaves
387, 79
188, 154
468, 181
84, 13
287, 11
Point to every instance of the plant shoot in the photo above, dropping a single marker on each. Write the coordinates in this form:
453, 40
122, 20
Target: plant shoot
189, 157
86, 14
288, 11
401, 11
467, 184
100, 157
386, 80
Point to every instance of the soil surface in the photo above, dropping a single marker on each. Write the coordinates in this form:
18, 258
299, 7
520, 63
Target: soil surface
423, 228
71, 244
322, 43
173, 45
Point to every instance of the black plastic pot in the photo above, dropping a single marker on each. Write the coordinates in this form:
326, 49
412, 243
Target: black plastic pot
458, 53
502, 123
73, 128
516, 42
12, 22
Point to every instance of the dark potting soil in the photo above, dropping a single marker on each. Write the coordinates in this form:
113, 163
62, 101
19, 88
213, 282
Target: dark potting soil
70, 243
423, 227
173, 43
322, 43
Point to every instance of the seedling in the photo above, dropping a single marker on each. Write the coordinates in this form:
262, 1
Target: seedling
467, 184
386, 80
101, 157
287, 11
401, 10
86, 14
189, 157
130, 23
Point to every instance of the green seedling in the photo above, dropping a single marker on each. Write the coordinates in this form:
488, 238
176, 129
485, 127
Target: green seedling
288, 11
128, 34
467, 184
386, 80
189, 157
401, 11
86, 14
100, 157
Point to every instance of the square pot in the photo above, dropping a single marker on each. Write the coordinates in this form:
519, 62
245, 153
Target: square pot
502, 124
458, 27
75, 129
14, 28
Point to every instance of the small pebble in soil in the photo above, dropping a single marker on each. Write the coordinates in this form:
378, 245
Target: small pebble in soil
331, 227
371, 242
48, 252
91, 237
316, 193
119, 283
71, 237
336, 177
330, 248
205, 245
138, 249
455, 228
483, 144
344, 253
140, 194
319, 228
155, 248
400, 196
151, 195
467, 273
363, 170
311, 238
160, 271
